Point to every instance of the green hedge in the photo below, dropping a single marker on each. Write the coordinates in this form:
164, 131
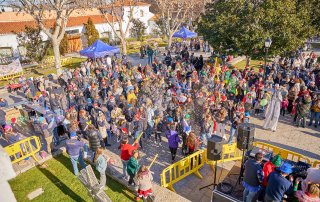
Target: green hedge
105, 40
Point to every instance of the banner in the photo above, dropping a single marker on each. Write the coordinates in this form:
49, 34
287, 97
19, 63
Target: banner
12, 68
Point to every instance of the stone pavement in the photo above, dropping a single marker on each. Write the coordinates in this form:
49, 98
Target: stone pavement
189, 186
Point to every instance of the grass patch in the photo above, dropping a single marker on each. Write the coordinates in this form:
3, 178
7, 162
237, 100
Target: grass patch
39, 70
60, 184
253, 63
74, 63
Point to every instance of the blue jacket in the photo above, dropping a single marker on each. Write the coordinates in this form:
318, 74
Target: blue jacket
278, 186
173, 138
74, 147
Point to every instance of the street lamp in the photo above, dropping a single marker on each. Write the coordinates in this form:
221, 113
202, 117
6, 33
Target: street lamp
267, 45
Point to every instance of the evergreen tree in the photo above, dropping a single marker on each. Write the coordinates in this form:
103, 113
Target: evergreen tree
64, 45
91, 33
31, 40
138, 29
243, 25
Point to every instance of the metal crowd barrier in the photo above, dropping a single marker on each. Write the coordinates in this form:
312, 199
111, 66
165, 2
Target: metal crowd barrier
179, 170
285, 154
230, 152
25, 148
191, 164
11, 76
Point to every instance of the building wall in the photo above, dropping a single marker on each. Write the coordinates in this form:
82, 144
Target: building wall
9, 40
141, 13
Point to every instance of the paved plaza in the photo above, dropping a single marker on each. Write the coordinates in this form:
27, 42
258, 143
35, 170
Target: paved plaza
287, 136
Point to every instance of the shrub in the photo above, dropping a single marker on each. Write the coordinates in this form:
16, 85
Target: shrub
105, 40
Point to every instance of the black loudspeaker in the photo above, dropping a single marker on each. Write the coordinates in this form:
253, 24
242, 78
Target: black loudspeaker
214, 148
245, 136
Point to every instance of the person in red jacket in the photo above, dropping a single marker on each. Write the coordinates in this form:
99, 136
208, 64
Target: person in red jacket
126, 152
268, 168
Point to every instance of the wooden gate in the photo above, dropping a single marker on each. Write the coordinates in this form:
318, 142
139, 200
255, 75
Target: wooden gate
74, 43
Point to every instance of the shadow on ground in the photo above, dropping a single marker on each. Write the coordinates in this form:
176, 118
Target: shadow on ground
297, 150
64, 188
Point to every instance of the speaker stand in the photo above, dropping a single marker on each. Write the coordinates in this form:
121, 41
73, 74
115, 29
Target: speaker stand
240, 174
214, 179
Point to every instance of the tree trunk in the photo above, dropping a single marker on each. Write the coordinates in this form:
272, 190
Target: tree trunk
124, 46
248, 59
170, 41
56, 52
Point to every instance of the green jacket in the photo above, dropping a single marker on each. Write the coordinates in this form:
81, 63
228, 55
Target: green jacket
133, 166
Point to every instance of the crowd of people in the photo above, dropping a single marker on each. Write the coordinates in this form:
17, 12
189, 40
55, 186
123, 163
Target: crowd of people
273, 182
182, 98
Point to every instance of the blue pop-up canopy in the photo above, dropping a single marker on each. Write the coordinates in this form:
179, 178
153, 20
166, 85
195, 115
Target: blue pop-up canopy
99, 49
184, 33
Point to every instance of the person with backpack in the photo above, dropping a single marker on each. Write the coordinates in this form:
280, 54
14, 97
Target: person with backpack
144, 182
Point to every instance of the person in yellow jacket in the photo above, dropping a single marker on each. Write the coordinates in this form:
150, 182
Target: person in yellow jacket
131, 96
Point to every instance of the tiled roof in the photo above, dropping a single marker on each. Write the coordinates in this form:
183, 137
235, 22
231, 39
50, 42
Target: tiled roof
22, 16
12, 27
155, 17
127, 3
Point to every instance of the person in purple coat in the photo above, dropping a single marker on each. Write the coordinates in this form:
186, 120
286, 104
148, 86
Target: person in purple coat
173, 140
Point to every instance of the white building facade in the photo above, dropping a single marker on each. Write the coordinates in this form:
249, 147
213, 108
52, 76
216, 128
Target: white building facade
13, 22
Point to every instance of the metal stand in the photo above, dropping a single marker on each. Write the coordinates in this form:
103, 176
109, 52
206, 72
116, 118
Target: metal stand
214, 180
241, 168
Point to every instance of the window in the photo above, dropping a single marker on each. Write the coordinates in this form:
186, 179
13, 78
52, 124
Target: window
73, 31
6, 52
106, 35
141, 13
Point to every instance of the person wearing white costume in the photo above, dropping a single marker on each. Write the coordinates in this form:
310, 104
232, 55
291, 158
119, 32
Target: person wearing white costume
273, 110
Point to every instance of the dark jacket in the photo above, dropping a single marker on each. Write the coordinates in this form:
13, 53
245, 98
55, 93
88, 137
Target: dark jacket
250, 172
278, 186
74, 147
54, 104
94, 140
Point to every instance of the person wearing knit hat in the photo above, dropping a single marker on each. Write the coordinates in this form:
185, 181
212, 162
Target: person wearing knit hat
268, 168
278, 184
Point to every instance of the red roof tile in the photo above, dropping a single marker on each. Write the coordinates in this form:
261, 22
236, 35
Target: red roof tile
13, 27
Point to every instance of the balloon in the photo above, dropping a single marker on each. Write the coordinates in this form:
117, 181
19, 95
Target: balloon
263, 102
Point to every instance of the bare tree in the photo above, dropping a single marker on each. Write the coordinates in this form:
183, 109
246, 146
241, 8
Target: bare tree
173, 13
119, 14
44, 10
